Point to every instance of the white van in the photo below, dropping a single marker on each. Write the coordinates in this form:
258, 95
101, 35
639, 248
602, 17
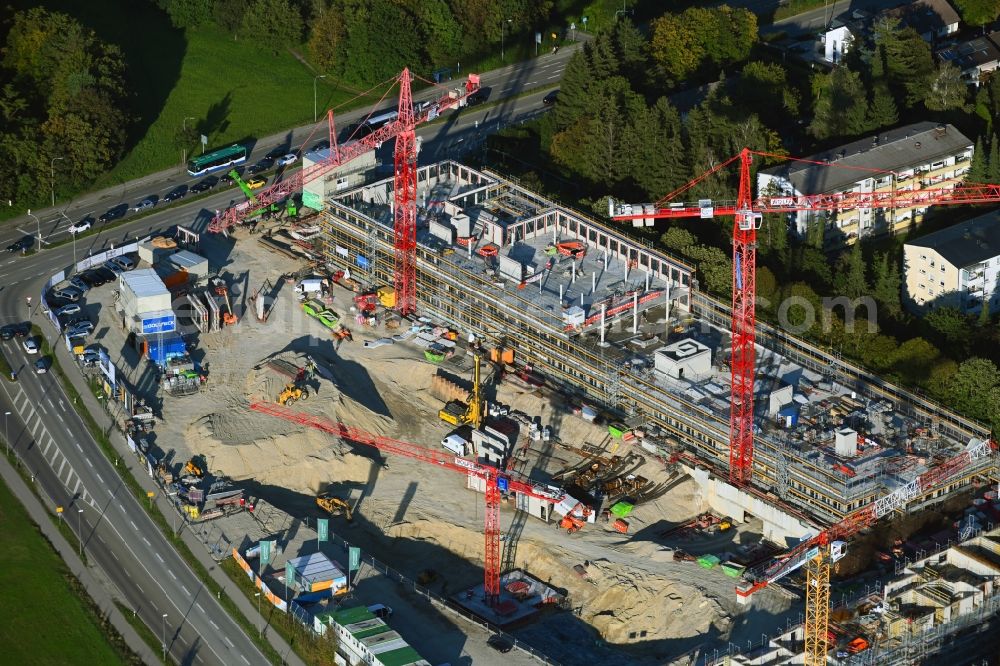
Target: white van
456, 444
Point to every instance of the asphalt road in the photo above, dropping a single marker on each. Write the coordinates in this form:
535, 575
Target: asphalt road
120, 538
542, 73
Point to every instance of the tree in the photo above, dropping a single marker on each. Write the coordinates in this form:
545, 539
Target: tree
882, 110
984, 318
993, 164
631, 49
841, 107
906, 58
676, 46
678, 239
850, 280
978, 167
187, 13
887, 285
973, 389
574, 89
659, 167
276, 24
952, 327
947, 90
978, 12
761, 83
228, 15
914, 359
327, 40
441, 33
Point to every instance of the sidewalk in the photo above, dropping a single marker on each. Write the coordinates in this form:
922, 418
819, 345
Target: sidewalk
132, 464
97, 591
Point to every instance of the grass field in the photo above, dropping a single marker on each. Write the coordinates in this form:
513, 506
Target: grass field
44, 619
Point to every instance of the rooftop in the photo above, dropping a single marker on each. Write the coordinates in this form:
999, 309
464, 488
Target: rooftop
144, 282
893, 150
973, 53
926, 16
966, 243
186, 259
377, 637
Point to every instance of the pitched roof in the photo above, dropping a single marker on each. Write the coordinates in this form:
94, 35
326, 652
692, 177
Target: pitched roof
973, 53
966, 243
926, 15
894, 150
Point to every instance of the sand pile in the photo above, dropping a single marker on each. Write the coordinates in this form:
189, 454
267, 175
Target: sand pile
617, 599
245, 444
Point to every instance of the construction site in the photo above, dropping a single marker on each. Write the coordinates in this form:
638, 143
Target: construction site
583, 448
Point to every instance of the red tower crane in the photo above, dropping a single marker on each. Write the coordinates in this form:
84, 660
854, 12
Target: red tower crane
498, 481
403, 129
747, 212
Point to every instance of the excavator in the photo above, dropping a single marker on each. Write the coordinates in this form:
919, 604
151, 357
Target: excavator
571, 523
251, 199
458, 413
194, 467
291, 393
334, 506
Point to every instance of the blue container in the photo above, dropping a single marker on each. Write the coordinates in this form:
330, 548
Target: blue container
166, 347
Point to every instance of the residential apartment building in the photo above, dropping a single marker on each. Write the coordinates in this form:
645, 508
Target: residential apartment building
956, 267
916, 156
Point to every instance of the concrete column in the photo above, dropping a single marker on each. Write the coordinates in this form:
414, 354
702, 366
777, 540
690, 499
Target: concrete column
604, 313
635, 312
647, 280
667, 318
593, 283
560, 294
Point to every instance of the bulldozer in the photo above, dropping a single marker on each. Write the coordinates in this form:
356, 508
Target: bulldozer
291, 393
334, 506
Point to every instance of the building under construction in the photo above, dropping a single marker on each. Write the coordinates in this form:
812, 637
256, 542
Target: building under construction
617, 324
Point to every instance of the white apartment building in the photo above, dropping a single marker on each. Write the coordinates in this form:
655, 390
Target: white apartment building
957, 267
916, 156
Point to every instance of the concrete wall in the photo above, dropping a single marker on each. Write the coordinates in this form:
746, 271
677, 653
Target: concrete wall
728, 500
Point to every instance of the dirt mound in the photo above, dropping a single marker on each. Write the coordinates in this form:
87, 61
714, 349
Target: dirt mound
617, 599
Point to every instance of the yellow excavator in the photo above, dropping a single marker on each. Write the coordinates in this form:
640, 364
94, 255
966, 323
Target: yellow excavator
334, 506
291, 393
193, 468
458, 413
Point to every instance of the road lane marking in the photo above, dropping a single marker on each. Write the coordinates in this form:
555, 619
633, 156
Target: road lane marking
172, 574
139, 588
244, 659
229, 642
78, 447
77, 487
159, 558
61, 418
113, 553
52, 463
59, 473
197, 604
51, 404
99, 477
68, 432
212, 622
48, 445
147, 542
90, 463
188, 593
133, 526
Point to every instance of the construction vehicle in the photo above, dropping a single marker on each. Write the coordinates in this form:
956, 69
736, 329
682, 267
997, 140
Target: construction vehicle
457, 413
292, 393
193, 468
343, 333
367, 303
572, 523
252, 208
335, 506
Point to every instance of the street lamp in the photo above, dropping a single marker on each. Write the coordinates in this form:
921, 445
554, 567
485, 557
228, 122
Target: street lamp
315, 79
502, 24
184, 128
260, 627
38, 227
79, 529
52, 179
6, 436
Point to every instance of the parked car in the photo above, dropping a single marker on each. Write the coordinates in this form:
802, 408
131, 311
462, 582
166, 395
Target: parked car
125, 262
205, 185
276, 152
321, 145
92, 278
263, 165
78, 284
146, 203
256, 183
550, 99
81, 226
42, 365
78, 331
114, 213
21, 244
6, 333
21, 330
67, 310
105, 275
67, 294
285, 160
113, 267
177, 193
500, 644
30, 345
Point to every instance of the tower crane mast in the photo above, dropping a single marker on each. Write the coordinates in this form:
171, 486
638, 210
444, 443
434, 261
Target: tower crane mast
747, 213
497, 480
403, 129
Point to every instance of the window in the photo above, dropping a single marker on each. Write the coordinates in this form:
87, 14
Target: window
342, 183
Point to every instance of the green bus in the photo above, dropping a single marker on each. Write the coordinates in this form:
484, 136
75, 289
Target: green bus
217, 159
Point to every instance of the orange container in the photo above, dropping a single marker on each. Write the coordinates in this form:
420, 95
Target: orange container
620, 526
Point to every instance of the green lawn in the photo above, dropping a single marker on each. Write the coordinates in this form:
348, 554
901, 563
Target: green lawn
44, 620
